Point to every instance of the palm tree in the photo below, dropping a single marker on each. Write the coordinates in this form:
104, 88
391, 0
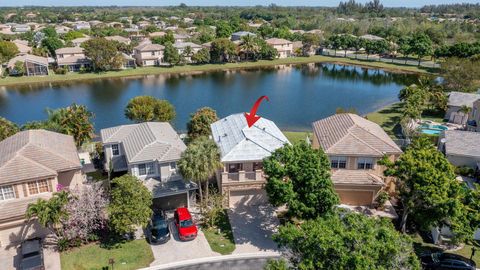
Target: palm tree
249, 46
200, 162
50, 213
465, 110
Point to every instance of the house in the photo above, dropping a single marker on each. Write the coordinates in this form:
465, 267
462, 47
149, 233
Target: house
457, 100
60, 29
181, 46
179, 38
21, 28
33, 165
81, 25
157, 34
34, 65
78, 41
148, 54
242, 151
119, 39
72, 58
462, 148
239, 35
371, 37
22, 46
284, 47
128, 61
473, 123
354, 145
150, 151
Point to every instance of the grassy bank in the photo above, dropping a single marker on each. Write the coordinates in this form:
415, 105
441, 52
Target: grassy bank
129, 255
297, 136
141, 71
220, 237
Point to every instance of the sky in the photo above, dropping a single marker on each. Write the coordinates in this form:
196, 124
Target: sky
387, 3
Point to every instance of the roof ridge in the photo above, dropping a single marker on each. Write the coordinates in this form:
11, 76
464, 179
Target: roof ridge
381, 139
50, 152
365, 143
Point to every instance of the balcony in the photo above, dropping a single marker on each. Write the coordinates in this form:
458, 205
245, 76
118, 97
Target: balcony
243, 176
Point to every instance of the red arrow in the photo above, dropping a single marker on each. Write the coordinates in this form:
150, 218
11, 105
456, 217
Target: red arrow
252, 117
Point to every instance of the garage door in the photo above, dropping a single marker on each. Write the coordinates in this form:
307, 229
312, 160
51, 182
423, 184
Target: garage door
170, 202
250, 197
357, 197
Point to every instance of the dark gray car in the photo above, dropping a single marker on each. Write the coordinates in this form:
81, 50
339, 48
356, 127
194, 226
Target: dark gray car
32, 255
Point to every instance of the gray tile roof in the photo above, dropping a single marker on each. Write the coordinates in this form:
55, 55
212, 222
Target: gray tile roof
356, 177
462, 143
36, 154
146, 141
460, 99
15, 209
238, 142
149, 47
350, 134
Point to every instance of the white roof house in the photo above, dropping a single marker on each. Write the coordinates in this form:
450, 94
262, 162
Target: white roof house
238, 142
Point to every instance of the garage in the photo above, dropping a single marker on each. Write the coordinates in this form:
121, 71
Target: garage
171, 202
356, 197
249, 197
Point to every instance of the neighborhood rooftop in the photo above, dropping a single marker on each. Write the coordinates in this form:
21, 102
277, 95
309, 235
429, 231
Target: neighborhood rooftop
462, 143
33, 154
460, 99
349, 134
238, 142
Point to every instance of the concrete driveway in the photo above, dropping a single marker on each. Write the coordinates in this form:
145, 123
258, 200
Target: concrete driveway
10, 258
253, 226
175, 250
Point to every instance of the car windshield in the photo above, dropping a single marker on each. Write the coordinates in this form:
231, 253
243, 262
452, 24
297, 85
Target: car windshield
159, 224
186, 223
436, 257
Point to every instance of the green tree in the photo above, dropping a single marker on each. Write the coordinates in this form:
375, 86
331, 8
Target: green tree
223, 50
147, 108
421, 45
200, 162
71, 35
347, 241
52, 44
299, 177
249, 47
18, 68
7, 128
170, 54
309, 43
103, 54
8, 50
461, 74
428, 190
404, 47
200, 121
202, 56
50, 213
223, 30
74, 120
376, 47
279, 264
357, 44
130, 204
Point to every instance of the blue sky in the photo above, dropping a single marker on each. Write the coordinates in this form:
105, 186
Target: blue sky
389, 3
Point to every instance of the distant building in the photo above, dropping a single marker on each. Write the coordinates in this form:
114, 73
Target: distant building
119, 39
457, 100
284, 47
239, 35
33, 65
462, 148
72, 58
81, 25
148, 54
21, 28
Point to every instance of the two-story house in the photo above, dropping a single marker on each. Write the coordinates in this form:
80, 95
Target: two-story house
148, 54
354, 145
33, 164
473, 123
150, 151
72, 58
181, 46
457, 101
284, 47
242, 150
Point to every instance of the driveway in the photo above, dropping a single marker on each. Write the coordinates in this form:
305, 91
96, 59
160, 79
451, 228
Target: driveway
253, 226
10, 258
176, 250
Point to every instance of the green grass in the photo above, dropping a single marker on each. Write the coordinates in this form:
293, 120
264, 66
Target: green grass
422, 247
297, 136
209, 67
129, 255
222, 242
97, 175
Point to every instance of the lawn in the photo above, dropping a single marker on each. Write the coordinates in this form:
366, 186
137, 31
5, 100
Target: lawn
220, 238
421, 247
297, 136
389, 118
129, 255
97, 175
209, 67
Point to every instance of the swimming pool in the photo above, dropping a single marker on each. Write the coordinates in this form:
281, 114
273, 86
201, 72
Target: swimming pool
431, 129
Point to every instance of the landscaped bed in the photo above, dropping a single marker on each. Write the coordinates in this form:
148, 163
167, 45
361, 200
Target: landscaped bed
128, 255
220, 237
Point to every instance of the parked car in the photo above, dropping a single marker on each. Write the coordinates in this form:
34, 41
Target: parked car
159, 230
187, 230
446, 261
32, 255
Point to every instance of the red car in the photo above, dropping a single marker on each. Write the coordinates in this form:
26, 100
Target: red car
187, 230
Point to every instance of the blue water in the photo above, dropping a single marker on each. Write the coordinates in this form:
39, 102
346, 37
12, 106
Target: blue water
298, 94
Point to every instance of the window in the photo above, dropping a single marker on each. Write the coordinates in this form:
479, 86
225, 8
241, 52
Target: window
146, 169
234, 167
153, 53
257, 166
36, 187
173, 166
6, 193
338, 162
365, 163
115, 150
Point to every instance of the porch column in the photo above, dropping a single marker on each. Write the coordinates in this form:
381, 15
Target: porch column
258, 175
188, 199
241, 175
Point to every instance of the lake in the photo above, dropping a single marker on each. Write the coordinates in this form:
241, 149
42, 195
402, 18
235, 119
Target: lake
299, 94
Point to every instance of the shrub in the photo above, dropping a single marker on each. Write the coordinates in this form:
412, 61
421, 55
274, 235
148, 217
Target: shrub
382, 198
464, 171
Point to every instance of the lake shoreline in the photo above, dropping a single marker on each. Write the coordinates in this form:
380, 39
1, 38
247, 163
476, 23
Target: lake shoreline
197, 69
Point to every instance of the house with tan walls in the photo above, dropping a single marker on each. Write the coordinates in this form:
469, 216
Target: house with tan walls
33, 165
72, 58
150, 151
284, 47
148, 54
354, 145
242, 150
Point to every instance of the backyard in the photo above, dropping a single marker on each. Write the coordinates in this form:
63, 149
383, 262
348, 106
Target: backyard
220, 237
128, 255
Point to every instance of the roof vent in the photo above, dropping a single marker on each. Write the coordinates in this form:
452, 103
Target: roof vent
225, 135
